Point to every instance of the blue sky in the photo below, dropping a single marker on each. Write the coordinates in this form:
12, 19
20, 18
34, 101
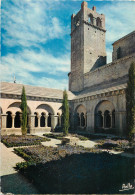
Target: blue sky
36, 37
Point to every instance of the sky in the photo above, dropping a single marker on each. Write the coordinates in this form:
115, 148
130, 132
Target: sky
35, 37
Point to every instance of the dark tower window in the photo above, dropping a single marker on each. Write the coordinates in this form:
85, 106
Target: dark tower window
98, 22
118, 53
90, 20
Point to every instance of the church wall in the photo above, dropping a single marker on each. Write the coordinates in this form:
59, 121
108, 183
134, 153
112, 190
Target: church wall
109, 72
119, 103
125, 45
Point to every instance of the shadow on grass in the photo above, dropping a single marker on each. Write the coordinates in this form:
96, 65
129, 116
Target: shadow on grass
86, 173
17, 184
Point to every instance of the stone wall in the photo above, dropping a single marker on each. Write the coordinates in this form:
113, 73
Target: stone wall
119, 104
108, 72
126, 46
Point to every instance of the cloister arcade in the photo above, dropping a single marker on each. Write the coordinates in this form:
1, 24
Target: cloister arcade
80, 117
105, 115
42, 117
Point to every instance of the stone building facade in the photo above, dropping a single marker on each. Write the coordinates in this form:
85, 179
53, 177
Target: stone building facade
96, 89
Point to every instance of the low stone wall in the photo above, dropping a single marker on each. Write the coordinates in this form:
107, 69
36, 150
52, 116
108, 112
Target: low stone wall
10, 131
40, 130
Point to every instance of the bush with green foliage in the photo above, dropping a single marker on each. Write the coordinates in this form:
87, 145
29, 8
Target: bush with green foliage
130, 102
65, 113
24, 112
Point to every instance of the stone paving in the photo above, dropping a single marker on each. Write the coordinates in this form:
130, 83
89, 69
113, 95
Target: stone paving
11, 180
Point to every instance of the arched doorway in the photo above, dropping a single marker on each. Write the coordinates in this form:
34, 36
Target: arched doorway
107, 119
49, 120
9, 120
42, 120
17, 120
82, 120
99, 120
36, 119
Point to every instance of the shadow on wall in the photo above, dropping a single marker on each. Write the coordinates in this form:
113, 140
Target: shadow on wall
99, 62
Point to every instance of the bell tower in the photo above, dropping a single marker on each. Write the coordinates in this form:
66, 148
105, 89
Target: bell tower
88, 50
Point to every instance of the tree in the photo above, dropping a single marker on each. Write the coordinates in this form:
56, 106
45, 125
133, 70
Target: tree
65, 113
130, 102
24, 112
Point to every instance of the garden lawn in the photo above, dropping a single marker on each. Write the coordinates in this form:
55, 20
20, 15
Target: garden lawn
21, 140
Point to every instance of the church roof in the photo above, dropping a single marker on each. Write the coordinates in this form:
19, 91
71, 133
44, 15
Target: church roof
101, 91
16, 89
125, 37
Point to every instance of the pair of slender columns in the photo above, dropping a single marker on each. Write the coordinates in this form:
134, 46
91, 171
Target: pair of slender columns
39, 122
104, 120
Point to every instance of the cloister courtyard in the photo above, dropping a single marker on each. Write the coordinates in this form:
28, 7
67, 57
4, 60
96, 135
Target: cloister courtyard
25, 160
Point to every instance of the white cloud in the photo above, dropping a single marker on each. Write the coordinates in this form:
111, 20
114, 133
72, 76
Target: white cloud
27, 23
27, 62
119, 21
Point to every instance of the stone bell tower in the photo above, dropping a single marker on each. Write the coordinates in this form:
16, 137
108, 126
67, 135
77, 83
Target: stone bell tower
88, 50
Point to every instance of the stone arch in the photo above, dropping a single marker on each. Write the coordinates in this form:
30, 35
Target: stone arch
49, 120
9, 119
98, 22
16, 107
45, 108
104, 114
90, 20
42, 119
36, 119
80, 116
17, 120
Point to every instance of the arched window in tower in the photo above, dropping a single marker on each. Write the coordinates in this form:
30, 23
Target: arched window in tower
36, 119
17, 120
98, 22
82, 120
49, 120
42, 120
9, 119
90, 20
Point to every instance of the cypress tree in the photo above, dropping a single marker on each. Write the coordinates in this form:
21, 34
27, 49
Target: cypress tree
130, 102
24, 112
65, 113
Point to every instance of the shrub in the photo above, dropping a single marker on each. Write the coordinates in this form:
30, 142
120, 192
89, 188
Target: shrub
130, 102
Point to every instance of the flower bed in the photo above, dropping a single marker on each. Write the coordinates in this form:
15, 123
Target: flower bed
20, 140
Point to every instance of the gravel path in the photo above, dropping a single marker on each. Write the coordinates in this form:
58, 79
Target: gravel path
11, 180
